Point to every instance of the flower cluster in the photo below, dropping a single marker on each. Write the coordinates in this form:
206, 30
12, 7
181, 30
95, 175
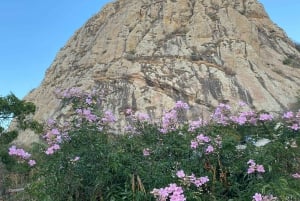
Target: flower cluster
223, 115
260, 197
193, 125
69, 93
187, 180
171, 118
22, 154
292, 119
87, 114
208, 144
173, 192
265, 117
181, 105
244, 117
108, 117
255, 167
142, 117
54, 137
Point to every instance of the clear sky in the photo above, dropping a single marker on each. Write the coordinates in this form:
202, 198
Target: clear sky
33, 31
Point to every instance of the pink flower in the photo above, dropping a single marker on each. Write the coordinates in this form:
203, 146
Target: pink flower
202, 138
109, 117
194, 144
255, 167
200, 181
50, 122
128, 111
55, 131
242, 103
265, 117
181, 105
209, 149
251, 170
52, 149
88, 101
296, 176
180, 174
260, 168
88, 115
18, 152
173, 192
288, 115
143, 117
196, 124
49, 151
31, 162
257, 197
295, 127
146, 152
251, 162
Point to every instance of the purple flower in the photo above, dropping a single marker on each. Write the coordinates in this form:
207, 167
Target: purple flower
255, 167
196, 124
260, 168
242, 104
265, 117
31, 162
142, 117
128, 111
295, 127
50, 122
251, 162
200, 181
173, 192
180, 174
181, 105
209, 149
52, 149
257, 197
88, 100
288, 115
251, 170
296, 176
202, 138
194, 144
108, 117
87, 113
146, 152
18, 152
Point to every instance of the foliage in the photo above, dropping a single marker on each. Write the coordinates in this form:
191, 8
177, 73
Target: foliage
13, 108
13, 169
297, 46
236, 155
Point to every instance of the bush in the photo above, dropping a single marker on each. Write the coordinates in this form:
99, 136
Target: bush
241, 155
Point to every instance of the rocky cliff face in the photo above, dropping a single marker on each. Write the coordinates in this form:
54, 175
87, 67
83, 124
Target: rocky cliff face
151, 53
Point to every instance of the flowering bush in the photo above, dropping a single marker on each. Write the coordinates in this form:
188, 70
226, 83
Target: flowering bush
235, 155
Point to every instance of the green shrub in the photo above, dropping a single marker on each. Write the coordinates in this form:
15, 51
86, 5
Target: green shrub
234, 156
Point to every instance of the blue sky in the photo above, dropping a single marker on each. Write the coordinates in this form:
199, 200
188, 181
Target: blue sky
33, 31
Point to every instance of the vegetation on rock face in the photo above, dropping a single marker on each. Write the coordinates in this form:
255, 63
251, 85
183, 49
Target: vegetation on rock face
297, 46
237, 154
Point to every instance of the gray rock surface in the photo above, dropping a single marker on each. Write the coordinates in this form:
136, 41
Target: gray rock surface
151, 53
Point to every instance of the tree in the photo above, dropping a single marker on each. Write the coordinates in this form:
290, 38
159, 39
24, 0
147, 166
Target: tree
12, 108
